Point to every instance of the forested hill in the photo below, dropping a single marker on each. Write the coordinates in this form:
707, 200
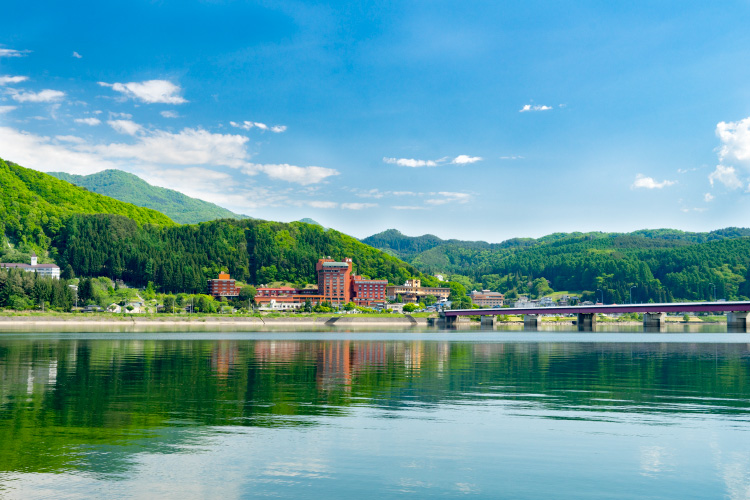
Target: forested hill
182, 258
130, 188
34, 206
662, 264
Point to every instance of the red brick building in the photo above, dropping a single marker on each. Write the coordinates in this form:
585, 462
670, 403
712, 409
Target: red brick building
368, 292
334, 280
223, 287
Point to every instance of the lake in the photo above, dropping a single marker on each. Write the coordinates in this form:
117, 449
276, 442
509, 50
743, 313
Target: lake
503, 413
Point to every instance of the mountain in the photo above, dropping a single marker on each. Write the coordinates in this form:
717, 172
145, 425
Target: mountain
661, 264
130, 188
34, 206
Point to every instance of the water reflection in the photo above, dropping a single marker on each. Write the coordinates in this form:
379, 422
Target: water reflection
99, 406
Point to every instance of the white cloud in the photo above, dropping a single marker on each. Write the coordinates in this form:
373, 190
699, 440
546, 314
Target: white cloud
695, 209
13, 53
708, 197
77, 55
410, 162
322, 204
169, 114
41, 153
4, 80
408, 207
291, 173
46, 95
125, 127
535, 107
735, 139
6, 109
448, 197
515, 157
187, 147
725, 175
247, 125
643, 182
88, 121
465, 159
124, 116
358, 206
150, 91
70, 138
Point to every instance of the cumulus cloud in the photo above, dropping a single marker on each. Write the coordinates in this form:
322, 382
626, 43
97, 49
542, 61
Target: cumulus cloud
247, 125
708, 197
358, 206
70, 138
126, 127
13, 53
735, 141
725, 175
169, 114
465, 159
643, 182
46, 95
88, 121
6, 109
291, 173
534, 107
77, 55
150, 91
5, 80
410, 162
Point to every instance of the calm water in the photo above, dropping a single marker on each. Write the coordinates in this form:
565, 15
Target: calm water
372, 415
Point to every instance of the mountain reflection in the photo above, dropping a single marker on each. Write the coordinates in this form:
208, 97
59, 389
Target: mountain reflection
58, 398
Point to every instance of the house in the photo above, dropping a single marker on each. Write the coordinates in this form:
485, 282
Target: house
46, 270
412, 291
224, 286
486, 298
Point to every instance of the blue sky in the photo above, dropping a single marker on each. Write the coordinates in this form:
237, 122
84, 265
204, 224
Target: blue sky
471, 120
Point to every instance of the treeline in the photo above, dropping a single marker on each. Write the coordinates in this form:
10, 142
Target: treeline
20, 290
182, 259
614, 267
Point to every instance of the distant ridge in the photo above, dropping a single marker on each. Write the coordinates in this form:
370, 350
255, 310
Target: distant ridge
308, 220
130, 188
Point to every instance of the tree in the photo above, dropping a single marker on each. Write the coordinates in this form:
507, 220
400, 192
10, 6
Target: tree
410, 307
429, 300
169, 303
67, 273
85, 290
350, 306
247, 293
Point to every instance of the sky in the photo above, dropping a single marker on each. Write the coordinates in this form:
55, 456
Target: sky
471, 120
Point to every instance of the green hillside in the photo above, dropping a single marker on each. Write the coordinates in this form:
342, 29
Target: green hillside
183, 258
34, 207
662, 264
130, 188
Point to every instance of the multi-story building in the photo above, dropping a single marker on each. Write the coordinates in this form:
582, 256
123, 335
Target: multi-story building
367, 292
46, 270
334, 280
286, 297
224, 286
413, 291
486, 298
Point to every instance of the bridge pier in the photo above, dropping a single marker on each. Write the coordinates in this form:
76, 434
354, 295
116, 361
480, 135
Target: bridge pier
737, 320
487, 320
586, 321
447, 321
654, 320
531, 321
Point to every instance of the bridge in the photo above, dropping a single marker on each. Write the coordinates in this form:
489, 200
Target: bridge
653, 314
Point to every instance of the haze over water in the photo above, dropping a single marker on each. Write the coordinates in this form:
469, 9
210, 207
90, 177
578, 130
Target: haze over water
501, 414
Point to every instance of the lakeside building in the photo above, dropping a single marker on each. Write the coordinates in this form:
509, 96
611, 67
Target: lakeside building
487, 298
286, 297
46, 270
336, 285
224, 286
412, 291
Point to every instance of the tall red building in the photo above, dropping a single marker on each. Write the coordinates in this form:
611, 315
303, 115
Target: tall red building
334, 280
337, 285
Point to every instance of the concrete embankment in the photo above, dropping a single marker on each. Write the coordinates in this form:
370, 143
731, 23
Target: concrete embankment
252, 321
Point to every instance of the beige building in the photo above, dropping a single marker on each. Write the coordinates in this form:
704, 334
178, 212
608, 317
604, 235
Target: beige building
413, 291
486, 298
